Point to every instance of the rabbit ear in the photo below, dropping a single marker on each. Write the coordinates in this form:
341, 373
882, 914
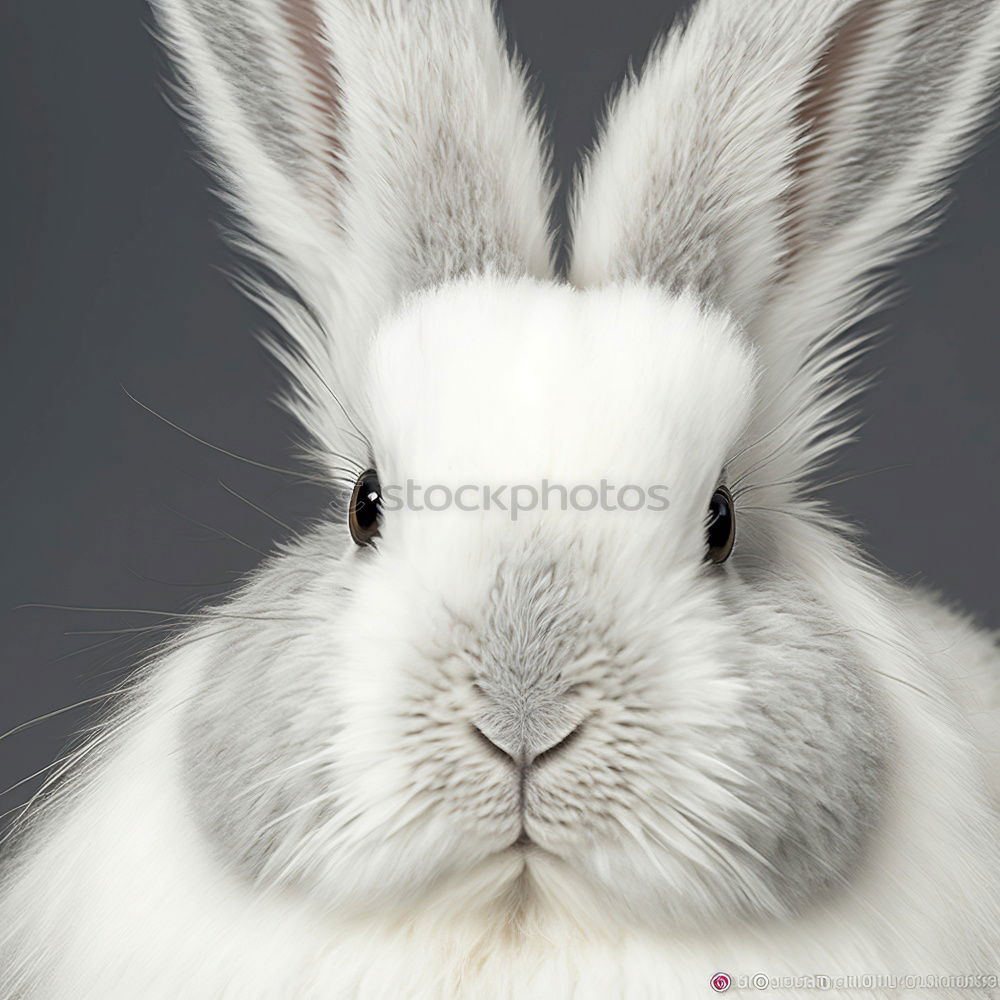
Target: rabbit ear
773, 158
370, 148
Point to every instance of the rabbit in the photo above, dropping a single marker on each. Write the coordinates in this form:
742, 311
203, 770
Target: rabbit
576, 753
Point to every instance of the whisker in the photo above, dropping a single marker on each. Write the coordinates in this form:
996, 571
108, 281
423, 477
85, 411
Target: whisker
175, 583
222, 451
860, 475
83, 650
210, 615
817, 487
251, 287
57, 712
137, 630
772, 456
775, 510
260, 510
777, 427
219, 531
30, 777
70, 762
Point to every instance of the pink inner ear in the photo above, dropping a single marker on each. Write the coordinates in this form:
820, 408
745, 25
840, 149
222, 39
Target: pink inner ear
834, 69
308, 36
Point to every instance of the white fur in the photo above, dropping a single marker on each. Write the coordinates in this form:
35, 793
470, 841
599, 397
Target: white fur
785, 764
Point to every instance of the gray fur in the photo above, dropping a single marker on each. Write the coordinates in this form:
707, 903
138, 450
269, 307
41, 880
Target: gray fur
459, 218
243, 55
899, 113
818, 733
254, 725
531, 638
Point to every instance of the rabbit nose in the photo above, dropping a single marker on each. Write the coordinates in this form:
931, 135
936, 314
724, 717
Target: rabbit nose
523, 743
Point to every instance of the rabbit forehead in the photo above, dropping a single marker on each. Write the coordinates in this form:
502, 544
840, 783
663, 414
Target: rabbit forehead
519, 378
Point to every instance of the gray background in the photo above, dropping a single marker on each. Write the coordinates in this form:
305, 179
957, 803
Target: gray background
113, 275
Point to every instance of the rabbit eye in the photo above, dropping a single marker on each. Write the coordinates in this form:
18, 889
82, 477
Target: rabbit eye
721, 529
365, 513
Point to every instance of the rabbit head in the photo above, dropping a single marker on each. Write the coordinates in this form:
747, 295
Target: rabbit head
603, 705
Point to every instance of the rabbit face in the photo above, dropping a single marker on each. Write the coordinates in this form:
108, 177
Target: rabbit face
567, 704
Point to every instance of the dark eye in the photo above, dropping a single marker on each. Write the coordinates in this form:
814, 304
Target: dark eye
721, 530
365, 513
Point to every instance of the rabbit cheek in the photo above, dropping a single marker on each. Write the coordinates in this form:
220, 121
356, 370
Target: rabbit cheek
819, 744
814, 742
759, 810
